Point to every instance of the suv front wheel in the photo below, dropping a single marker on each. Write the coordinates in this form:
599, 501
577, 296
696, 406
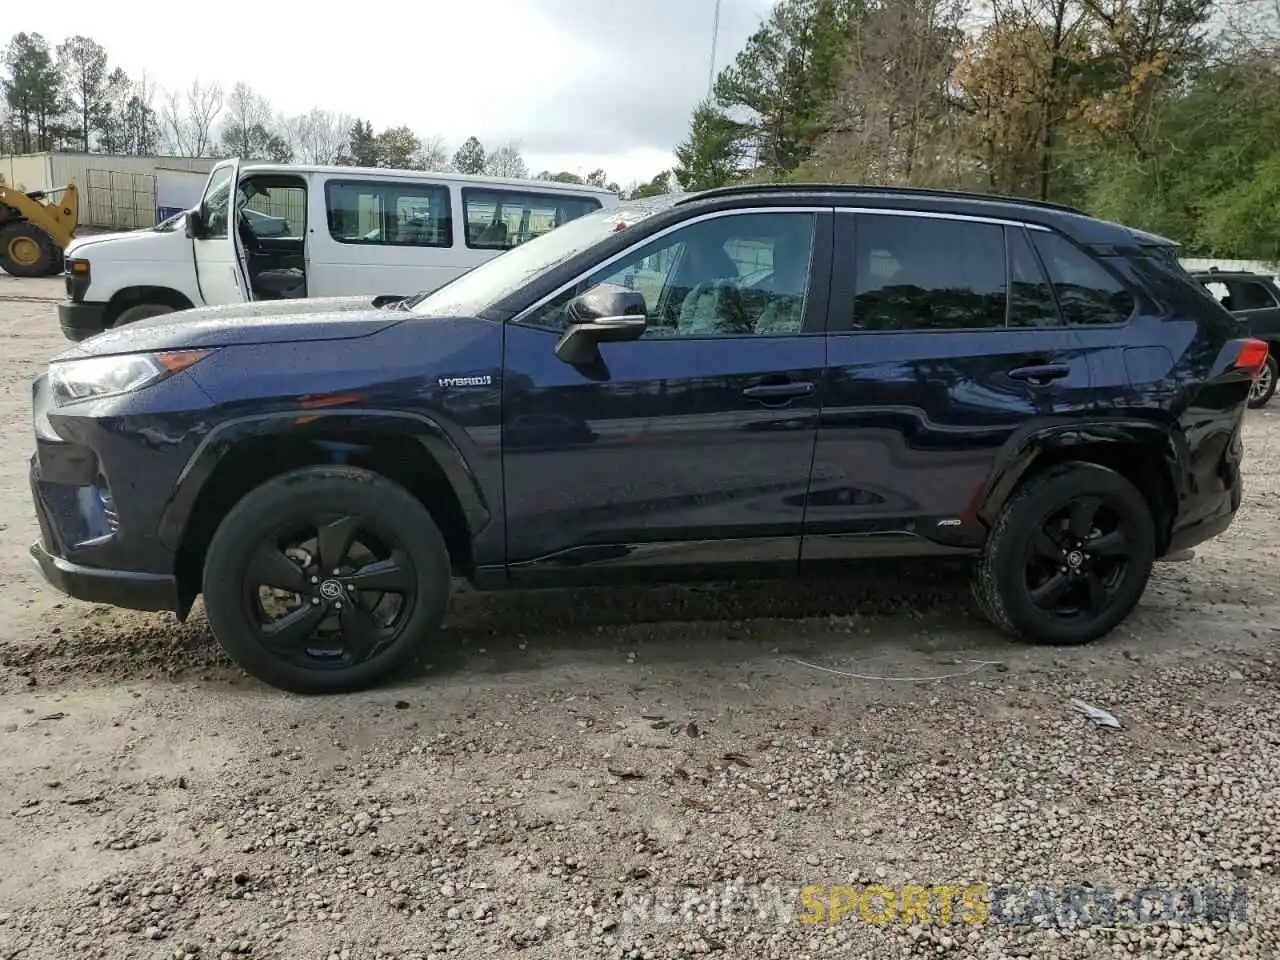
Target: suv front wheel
326, 580
1068, 557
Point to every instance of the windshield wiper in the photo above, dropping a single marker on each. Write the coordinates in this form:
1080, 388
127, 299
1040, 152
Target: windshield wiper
410, 302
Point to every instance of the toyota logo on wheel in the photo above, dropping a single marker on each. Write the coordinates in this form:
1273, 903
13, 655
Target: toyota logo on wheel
331, 590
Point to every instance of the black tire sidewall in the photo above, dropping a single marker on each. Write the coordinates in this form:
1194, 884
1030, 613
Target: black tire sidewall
48, 252
1029, 510
306, 494
141, 311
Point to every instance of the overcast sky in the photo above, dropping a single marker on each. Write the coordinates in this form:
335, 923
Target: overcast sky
579, 83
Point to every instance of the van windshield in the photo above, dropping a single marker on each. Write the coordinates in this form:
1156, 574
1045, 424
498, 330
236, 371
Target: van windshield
484, 285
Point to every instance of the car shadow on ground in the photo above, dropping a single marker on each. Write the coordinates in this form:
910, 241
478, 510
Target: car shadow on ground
922, 605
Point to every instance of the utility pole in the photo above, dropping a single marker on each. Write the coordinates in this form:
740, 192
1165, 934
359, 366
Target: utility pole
711, 67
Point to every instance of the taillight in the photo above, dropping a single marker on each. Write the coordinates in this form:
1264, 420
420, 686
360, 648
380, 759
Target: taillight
1252, 355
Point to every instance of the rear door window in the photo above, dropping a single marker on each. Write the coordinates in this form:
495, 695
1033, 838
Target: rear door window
929, 273
1031, 301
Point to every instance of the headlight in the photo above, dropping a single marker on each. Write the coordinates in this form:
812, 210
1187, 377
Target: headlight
72, 380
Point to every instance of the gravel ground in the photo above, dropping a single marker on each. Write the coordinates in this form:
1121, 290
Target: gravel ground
577, 777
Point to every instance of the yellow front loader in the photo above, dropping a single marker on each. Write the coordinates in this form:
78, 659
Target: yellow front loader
35, 228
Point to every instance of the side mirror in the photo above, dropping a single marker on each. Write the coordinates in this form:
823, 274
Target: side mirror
194, 224
607, 313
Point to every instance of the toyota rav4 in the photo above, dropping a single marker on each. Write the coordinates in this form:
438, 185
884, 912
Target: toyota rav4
741, 382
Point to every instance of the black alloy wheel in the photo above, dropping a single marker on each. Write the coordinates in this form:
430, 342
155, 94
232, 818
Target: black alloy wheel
326, 579
330, 596
1264, 384
1068, 556
1077, 560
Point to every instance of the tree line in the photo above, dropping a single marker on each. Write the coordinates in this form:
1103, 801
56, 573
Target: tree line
70, 97
1162, 114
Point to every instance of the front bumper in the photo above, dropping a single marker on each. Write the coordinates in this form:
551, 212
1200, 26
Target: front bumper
80, 321
67, 526
119, 588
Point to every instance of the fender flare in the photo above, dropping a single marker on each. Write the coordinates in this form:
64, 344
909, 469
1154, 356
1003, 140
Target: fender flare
223, 438
1028, 445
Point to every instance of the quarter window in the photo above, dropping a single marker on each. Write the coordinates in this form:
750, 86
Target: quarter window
731, 276
1087, 292
501, 219
1031, 302
389, 214
927, 273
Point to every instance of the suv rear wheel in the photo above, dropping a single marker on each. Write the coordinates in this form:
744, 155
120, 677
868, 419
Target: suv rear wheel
1264, 384
1068, 557
326, 580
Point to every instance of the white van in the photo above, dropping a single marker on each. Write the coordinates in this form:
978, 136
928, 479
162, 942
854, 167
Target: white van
305, 231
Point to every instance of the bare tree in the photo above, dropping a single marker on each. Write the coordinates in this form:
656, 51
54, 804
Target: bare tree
247, 113
1251, 25
433, 154
891, 119
506, 161
187, 118
318, 135
142, 128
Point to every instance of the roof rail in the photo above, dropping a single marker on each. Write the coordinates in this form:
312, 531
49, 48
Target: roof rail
850, 188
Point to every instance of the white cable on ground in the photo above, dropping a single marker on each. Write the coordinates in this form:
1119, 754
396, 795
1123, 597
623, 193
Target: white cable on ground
977, 665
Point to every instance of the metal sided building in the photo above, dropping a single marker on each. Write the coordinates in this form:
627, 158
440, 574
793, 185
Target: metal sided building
116, 192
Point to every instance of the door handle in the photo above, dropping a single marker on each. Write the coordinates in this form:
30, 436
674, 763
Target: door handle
779, 391
1040, 373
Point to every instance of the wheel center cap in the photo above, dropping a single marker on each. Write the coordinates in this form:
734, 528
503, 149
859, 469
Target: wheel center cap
1074, 559
331, 590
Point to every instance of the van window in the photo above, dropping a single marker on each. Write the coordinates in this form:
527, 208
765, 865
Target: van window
501, 219
389, 214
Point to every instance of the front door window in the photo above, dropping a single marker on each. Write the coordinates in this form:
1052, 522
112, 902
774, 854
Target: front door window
214, 204
729, 276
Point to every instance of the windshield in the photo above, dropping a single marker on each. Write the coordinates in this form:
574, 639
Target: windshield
485, 285
169, 223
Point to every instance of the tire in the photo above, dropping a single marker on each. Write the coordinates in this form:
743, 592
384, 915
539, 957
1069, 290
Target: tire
305, 499
27, 251
1015, 556
1264, 385
140, 311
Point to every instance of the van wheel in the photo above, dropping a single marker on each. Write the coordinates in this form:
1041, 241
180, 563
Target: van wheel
1069, 556
326, 580
26, 250
1264, 384
140, 311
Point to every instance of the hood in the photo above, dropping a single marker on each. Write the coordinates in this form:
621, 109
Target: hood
79, 245
276, 321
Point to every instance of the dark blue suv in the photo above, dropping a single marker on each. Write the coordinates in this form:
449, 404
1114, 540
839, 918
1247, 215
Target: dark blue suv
747, 381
